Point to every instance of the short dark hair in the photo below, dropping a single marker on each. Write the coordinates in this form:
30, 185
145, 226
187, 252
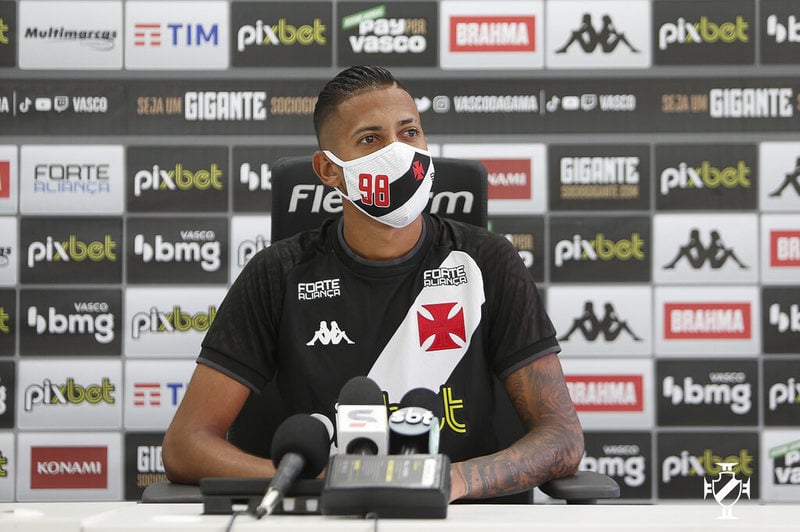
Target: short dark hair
346, 84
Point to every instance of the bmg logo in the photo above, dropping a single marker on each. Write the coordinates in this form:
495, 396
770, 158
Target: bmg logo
194, 248
100, 325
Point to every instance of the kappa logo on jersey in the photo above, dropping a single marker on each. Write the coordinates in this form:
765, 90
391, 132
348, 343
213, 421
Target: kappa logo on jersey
599, 248
441, 326
176, 320
589, 39
89, 318
716, 254
52, 250
792, 179
707, 321
445, 276
705, 31
486, 33
196, 246
606, 393
610, 326
705, 176
329, 334
319, 289
784, 249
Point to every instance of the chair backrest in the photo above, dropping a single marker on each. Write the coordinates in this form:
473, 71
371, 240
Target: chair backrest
300, 201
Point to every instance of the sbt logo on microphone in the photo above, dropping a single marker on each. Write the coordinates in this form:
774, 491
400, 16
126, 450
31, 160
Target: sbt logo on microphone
196, 246
178, 178
599, 248
176, 320
69, 393
73, 249
93, 318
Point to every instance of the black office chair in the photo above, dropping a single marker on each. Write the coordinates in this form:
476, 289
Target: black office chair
300, 202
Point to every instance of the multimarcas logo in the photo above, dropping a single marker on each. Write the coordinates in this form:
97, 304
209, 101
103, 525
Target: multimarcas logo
69, 467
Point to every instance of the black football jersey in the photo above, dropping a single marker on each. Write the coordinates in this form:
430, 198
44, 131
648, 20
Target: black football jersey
457, 309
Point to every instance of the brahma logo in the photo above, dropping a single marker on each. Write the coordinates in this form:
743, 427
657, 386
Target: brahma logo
5, 179
606, 393
707, 321
441, 326
501, 33
509, 178
69, 467
784, 249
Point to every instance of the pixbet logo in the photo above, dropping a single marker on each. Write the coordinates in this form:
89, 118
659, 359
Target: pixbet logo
736, 393
89, 318
703, 32
705, 176
788, 32
256, 181
599, 248
177, 320
197, 246
784, 394
248, 248
69, 393
178, 178
52, 250
687, 464
280, 34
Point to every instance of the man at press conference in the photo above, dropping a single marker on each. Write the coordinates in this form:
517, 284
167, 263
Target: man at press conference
385, 271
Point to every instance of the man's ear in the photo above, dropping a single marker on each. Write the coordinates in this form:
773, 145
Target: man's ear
326, 170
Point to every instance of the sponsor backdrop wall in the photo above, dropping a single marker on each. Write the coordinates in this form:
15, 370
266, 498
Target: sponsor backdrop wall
644, 157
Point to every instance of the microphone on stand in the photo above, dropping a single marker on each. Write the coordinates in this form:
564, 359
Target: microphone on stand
414, 427
361, 418
300, 449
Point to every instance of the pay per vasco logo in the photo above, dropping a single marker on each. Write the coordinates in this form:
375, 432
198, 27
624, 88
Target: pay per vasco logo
49, 394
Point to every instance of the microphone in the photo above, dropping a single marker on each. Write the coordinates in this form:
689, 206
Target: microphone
301, 448
414, 427
361, 420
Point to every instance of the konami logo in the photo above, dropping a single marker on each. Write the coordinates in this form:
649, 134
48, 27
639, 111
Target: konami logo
606, 393
509, 178
707, 321
69, 467
784, 249
501, 33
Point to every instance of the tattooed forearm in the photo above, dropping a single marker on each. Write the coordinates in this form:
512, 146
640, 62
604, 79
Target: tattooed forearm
552, 446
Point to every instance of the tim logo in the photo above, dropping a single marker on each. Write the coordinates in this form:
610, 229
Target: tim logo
174, 34
441, 326
792, 179
784, 249
715, 254
5, 179
610, 326
69, 468
502, 33
607, 38
150, 394
707, 321
726, 489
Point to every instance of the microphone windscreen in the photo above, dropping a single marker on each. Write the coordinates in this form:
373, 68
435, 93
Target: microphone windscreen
306, 436
360, 390
423, 398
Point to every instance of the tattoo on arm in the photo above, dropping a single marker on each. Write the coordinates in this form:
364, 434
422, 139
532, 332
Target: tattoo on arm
552, 446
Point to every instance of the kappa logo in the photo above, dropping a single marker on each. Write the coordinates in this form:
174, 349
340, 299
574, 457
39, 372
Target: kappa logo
792, 179
327, 335
696, 254
441, 326
589, 39
610, 326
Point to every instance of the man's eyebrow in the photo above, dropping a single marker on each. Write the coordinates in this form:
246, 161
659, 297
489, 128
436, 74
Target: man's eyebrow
402, 122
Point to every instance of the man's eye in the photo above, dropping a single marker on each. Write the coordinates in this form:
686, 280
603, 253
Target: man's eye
369, 139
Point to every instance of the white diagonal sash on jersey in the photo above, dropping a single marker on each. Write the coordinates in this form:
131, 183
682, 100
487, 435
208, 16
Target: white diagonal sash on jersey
405, 364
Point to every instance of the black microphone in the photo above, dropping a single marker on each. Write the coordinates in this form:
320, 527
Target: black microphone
300, 448
414, 426
361, 419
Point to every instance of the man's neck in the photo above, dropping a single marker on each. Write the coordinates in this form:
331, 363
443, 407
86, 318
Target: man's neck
375, 241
